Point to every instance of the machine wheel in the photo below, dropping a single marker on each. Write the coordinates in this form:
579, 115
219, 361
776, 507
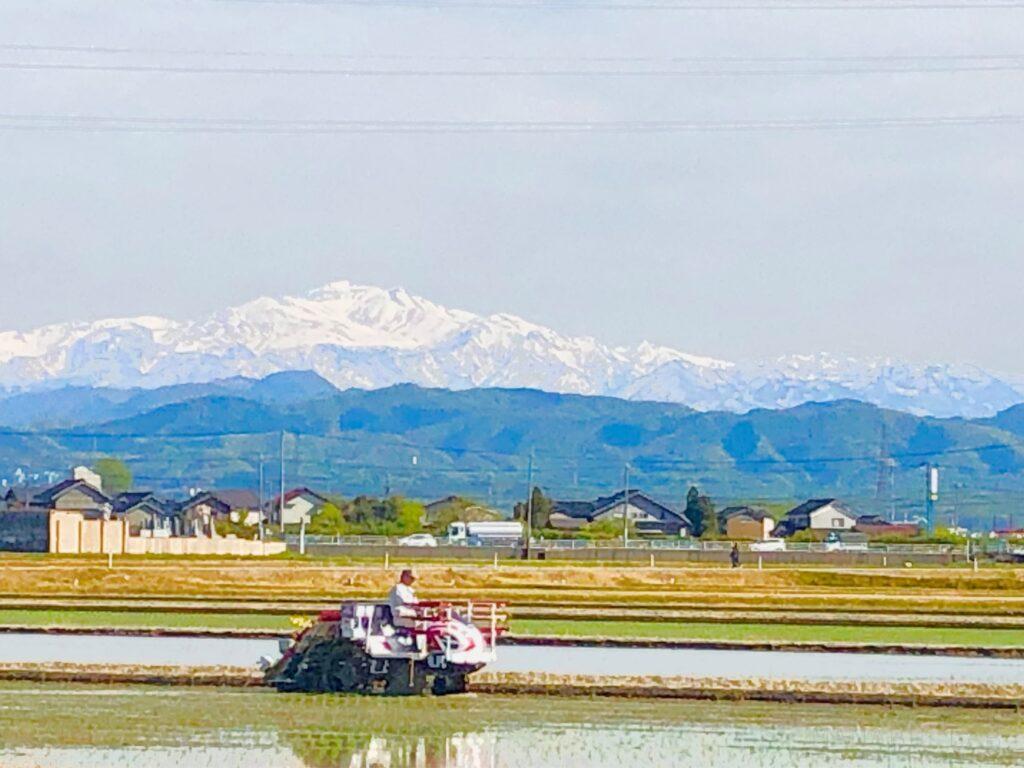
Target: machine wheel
400, 681
446, 684
345, 669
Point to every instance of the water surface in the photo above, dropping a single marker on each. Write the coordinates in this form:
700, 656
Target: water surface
739, 664
73, 726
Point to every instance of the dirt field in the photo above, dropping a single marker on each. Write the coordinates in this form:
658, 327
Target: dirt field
934, 607
989, 592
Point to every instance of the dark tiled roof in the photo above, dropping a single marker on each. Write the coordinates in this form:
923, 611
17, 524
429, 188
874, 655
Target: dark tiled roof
809, 506
576, 509
590, 509
752, 512
125, 502
231, 498
24, 493
294, 493
130, 499
440, 503
47, 497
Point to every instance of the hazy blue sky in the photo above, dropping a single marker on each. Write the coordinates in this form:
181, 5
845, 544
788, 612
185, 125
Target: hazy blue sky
905, 241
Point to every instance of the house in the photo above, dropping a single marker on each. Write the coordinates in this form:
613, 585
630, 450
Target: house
19, 498
299, 504
145, 512
746, 523
819, 515
649, 516
876, 525
74, 495
199, 513
434, 508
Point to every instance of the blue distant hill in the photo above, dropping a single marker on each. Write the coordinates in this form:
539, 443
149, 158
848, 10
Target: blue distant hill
431, 442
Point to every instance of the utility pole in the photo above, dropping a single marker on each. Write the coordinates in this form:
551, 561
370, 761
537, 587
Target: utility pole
280, 499
931, 494
625, 506
260, 516
529, 504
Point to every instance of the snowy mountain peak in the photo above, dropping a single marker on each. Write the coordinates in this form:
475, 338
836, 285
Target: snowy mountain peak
365, 336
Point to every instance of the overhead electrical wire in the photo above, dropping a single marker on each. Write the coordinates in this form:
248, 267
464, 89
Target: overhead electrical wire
663, 5
257, 126
362, 72
500, 58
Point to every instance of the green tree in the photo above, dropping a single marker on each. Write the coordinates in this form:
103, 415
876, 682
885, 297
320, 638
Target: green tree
710, 517
701, 513
329, 521
116, 476
693, 511
542, 506
408, 515
607, 529
463, 510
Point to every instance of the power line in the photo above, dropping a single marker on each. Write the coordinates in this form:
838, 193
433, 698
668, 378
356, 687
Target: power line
257, 126
500, 58
894, 69
664, 5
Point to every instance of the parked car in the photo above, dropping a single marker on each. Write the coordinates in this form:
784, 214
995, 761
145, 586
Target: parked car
846, 542
768, 545
418, 540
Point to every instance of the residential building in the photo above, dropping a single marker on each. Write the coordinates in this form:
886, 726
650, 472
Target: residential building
649, 516
19, 498
746, 523
199, 513
434, 508
818, 515
299, 504
74, 495
145, 512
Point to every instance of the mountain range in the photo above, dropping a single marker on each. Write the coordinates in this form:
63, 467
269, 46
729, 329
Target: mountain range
428, 443
369, 338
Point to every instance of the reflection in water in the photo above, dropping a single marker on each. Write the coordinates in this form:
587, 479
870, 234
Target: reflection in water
66, 726
473, 750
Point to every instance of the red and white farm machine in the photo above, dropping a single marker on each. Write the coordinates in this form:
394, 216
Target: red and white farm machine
362, 649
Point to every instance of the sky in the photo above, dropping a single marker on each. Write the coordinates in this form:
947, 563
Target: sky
740, 182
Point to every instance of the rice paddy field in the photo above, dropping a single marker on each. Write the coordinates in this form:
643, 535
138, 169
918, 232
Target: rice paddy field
64, 725
904, 606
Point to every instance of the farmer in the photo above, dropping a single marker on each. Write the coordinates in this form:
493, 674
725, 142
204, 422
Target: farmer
402, 598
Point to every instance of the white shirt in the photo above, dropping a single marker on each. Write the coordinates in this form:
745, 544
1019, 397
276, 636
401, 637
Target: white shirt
400, 596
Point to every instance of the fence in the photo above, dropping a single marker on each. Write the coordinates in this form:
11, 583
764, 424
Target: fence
71, 533
644, 545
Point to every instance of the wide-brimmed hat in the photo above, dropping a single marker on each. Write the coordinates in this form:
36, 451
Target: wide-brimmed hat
408, 572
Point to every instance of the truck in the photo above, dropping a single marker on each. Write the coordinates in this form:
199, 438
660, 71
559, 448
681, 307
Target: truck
498, 533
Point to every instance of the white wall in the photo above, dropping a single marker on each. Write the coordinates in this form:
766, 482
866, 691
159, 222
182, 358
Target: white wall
72, 534
297, 509
831, 519
635, 513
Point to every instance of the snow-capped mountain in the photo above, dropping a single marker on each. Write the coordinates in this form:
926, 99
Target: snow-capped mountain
362, 336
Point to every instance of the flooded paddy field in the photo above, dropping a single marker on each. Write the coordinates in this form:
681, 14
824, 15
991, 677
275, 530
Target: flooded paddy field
567, 660
73, 726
